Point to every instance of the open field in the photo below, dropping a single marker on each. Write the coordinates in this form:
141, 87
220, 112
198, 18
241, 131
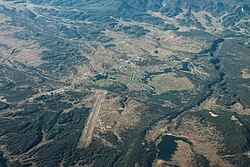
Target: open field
165, 82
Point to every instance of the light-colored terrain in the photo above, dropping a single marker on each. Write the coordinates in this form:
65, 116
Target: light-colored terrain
166, 82
89, 127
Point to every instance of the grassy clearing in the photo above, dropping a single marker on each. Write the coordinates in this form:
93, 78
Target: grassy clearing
168, 82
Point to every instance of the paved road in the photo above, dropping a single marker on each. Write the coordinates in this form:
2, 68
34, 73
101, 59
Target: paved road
89, 127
